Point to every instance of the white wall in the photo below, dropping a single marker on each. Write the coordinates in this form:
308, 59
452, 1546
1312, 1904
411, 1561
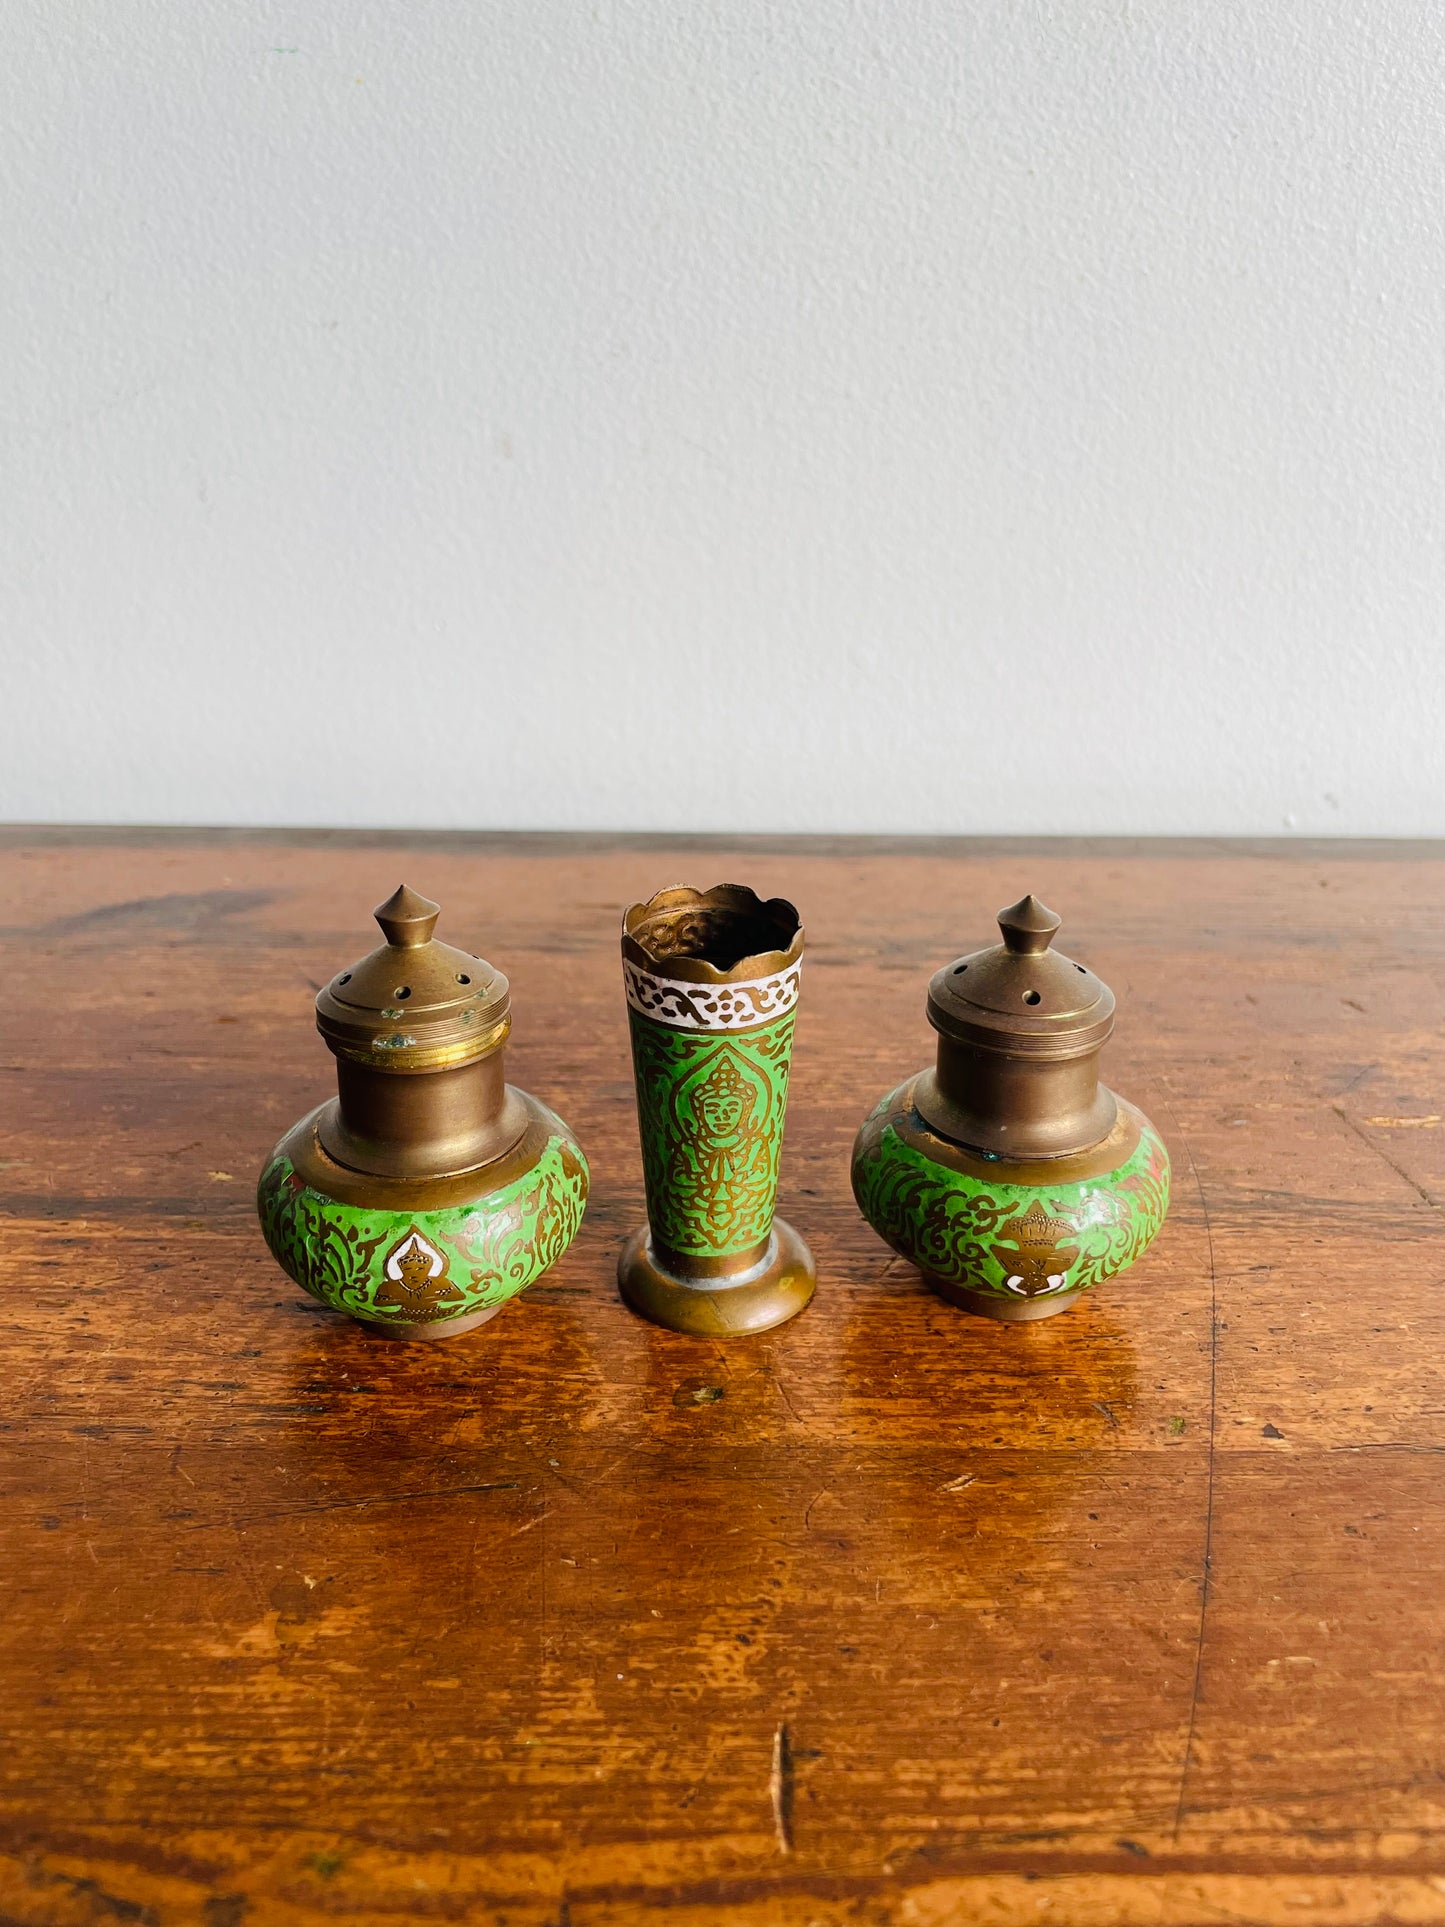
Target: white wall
997, 415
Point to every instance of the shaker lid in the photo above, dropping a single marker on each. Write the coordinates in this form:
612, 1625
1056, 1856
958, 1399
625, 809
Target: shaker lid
1021, 995
414, 1004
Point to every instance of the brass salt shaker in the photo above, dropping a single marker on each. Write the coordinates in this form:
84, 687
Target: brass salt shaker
1007, 1172
428, 1191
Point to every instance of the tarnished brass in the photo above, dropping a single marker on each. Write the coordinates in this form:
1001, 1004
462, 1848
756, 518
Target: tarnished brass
1007, 1172
414, 1004
725, 935
984, 1173
428, 1191
417, 1029
1019, 1028
775, 1288
711, 978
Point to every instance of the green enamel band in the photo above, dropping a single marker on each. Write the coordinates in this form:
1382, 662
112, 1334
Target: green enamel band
419, 1268
710, 1111
1010, 1239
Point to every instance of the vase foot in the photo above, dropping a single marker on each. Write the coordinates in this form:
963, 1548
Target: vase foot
440, 1328
991, 1304
769, 1294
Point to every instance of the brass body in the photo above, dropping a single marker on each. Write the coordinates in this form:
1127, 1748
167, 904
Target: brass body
712, 938
1096, 1161
422, 1125
1015, 1087
306, 1144
423, 1117
775, 1287
727, 934
1019, 1028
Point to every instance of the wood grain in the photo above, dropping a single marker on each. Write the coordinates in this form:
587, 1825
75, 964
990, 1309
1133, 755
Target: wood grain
1132, 1617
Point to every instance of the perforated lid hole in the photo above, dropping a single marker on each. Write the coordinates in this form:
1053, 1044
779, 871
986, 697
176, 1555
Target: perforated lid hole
462, 977
401, 992
1032, 997
344, 978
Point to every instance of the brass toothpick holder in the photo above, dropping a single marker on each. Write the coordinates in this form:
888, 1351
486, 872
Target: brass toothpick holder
712, 980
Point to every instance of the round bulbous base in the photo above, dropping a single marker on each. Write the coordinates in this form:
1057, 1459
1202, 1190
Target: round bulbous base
423, 1258
1018, 1239
770, 1292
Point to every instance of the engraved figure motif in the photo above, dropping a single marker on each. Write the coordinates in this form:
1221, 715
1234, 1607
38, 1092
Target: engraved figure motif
1035, 1257
710, 1112
723, 1167
420, 1290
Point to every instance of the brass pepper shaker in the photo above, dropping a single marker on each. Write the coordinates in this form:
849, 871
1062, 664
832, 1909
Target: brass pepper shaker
1008, 1173
428, 1191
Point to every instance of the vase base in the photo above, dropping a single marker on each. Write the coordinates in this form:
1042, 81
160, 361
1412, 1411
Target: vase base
768, 1294
1009, 1311
440, 1328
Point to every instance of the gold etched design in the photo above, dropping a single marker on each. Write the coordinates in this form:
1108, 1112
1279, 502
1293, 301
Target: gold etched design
710, 1112
711, 1007
415, 1272
727, 1170
491, 1247
977, 1230
1035, 1254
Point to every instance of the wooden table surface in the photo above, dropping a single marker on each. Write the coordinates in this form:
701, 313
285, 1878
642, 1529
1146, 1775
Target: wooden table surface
893, 1615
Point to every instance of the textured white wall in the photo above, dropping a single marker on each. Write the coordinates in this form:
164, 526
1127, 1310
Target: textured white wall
861, 414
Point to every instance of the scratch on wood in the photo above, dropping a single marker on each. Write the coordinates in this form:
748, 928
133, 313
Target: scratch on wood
780, 1788
958, 1484
1400, 1172
786, 1396
356, 1505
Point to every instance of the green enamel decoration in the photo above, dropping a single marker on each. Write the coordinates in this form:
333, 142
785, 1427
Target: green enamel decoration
414, 1269
710, 1110
991, 1235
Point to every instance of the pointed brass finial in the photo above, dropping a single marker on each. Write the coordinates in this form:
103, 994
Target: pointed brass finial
1028, 926
407, 920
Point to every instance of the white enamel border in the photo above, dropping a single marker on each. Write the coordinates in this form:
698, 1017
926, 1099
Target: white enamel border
714, 1007
392, 1267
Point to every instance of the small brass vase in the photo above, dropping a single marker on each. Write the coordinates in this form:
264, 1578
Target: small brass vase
1008, 1173
428, 1191
712, 980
